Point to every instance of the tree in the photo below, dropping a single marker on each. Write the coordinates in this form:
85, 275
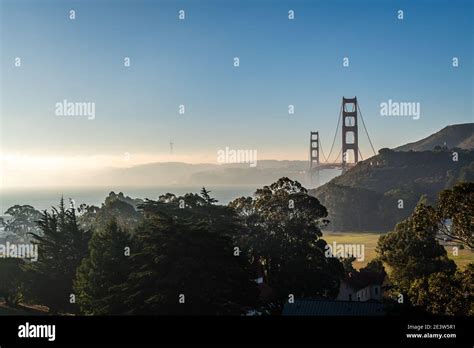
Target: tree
11, 280
374, 265
101, 274
411, 251
183, 268
205, 194
87, 216
454, 213
23, 222
61, 247
347, 264
193, 208
444, 293
283, 231
116, 207
385, 151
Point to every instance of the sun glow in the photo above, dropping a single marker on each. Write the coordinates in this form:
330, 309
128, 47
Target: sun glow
25, 170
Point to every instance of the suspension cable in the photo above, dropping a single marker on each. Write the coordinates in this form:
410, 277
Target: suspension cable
340, 151
366, 132
335, 134
322, 151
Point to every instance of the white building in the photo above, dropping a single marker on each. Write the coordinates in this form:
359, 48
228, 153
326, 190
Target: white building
361, 286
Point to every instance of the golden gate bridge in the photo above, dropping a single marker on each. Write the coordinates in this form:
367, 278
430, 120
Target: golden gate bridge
349, 117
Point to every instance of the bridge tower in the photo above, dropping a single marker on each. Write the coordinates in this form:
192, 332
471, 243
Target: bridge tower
314, 150
314, 158
350, 141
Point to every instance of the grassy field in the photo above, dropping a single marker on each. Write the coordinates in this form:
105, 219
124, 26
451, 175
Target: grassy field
369, 240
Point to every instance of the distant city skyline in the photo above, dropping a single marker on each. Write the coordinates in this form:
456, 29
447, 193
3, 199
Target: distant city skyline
167, 89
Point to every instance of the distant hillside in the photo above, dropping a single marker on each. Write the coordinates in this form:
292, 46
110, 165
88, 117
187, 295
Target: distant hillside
455, 136
366, 197
166, 173
173, 173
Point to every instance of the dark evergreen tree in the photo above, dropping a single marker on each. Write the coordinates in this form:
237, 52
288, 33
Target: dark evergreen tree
194, 208
62, 245
205, 194
100, 276
11, 281
178, 262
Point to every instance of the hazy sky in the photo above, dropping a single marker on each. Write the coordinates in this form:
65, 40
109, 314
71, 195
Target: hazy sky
190, 62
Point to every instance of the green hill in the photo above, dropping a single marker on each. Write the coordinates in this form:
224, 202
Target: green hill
366, 197
454, 136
